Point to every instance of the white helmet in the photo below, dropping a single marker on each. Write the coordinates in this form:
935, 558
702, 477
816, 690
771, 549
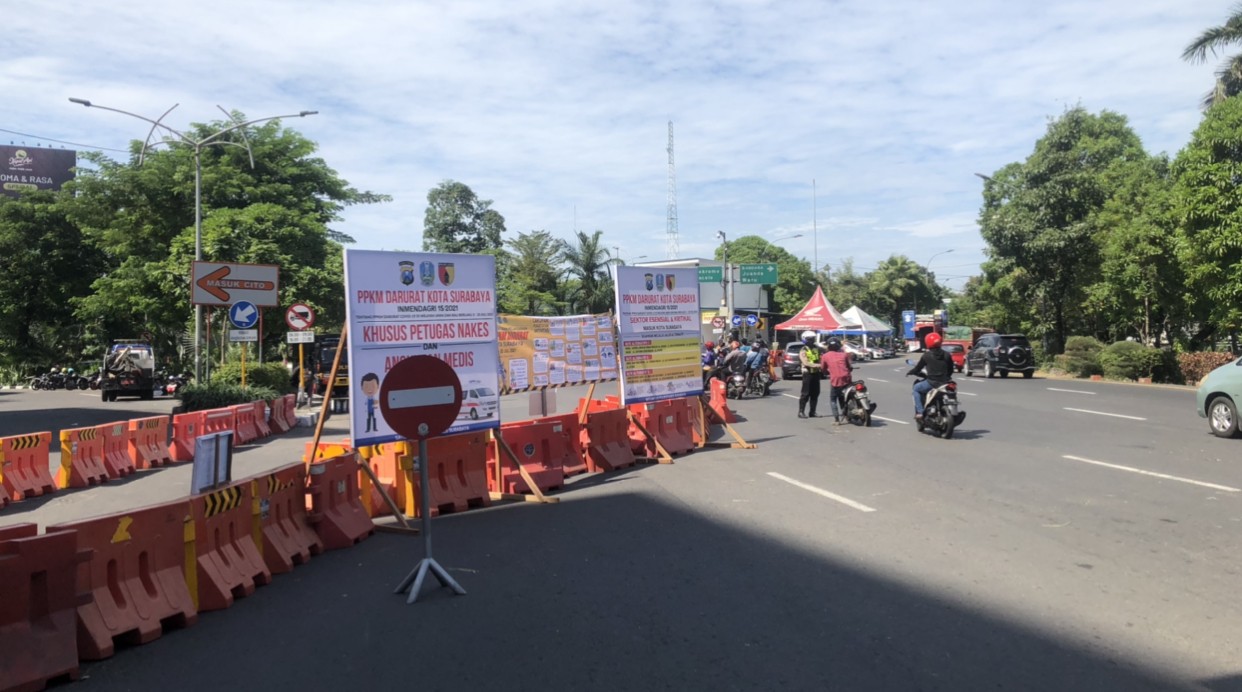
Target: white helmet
808, 335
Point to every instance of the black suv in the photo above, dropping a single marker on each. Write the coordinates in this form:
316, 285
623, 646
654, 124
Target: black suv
1001, 353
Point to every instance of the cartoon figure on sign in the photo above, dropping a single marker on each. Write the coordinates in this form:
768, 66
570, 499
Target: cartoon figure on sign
407, 272
370, 388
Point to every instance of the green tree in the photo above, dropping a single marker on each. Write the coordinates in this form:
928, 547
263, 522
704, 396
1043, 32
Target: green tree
141, 218
893, 286
45, 264
458, 221
1039, 217
1206, 185
794, 281
529, 284
587, 262
1216, 40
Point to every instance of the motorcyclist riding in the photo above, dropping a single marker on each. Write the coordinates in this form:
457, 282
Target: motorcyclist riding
839, 372
936, 366
756, 359
811, 369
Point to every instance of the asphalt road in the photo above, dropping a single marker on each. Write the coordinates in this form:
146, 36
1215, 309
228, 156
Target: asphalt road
1073, 536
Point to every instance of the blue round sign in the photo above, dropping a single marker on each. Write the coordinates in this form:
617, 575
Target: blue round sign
752, 320
243, 314
737, 320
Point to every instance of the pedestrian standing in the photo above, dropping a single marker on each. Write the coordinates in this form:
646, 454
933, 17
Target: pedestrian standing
840, 376
811, 372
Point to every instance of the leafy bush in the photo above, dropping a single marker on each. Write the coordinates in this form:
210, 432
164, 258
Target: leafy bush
272, 376
1082, 356
1166, 369
196, 397
1195, 366
1129, 360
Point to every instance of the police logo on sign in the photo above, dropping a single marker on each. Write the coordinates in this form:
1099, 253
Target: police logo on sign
407, 272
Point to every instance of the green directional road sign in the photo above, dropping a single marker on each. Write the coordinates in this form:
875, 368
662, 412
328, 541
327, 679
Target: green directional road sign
711, 275
756, 273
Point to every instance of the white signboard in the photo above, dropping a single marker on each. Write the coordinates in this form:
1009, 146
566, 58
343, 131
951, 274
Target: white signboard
402, 304
243, 335
222, 283
300, 337
658, 327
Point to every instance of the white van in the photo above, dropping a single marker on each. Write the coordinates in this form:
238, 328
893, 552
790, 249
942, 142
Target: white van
478, 402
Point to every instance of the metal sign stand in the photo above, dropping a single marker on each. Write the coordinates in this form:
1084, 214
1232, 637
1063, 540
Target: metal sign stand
413, 582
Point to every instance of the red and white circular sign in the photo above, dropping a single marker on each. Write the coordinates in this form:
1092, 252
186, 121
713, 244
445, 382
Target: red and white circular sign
300, 316
420, 397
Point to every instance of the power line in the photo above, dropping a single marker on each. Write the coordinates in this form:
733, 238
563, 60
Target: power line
59, 141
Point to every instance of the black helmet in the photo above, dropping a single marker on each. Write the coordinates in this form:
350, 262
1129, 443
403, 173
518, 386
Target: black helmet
834, 344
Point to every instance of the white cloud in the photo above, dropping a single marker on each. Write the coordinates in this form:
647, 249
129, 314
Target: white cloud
549, 106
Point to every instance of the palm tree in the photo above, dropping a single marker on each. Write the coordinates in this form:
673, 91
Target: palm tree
588, 263
1216, 39
895, 279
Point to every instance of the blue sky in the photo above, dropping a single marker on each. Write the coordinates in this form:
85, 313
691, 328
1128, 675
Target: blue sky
558, 111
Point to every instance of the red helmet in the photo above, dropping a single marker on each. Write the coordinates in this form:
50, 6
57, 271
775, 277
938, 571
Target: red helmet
933, 340
710, 344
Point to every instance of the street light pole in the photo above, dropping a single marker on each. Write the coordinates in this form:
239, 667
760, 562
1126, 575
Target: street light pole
197, 145
927, 268
815, 225
726, 284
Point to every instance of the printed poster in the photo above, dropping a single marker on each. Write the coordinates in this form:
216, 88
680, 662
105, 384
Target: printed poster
658, 331
538, 352
402, 304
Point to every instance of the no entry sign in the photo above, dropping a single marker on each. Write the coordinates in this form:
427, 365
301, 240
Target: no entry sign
300, 316
420, 397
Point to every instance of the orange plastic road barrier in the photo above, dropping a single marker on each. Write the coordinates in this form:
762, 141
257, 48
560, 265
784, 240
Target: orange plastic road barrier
260, 419
573, 461
81, 458
720, 403
147, 442
136, 574
669, 421
466, 457
291, 414
284, 529
5, 498
279, 421
386, 462
186, 427
244, 430
215, 420
24, 465
539, 448
38, 631
336, 511
116, 459
226, 559
328, 450
605, 437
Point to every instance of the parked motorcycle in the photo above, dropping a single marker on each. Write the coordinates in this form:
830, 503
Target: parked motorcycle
175, 383
858, 405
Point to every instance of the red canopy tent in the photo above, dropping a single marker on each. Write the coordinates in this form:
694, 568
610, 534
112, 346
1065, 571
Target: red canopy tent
817, 315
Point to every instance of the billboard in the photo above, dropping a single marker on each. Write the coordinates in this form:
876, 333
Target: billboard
402, 304
27, 169
658, 327
541, 352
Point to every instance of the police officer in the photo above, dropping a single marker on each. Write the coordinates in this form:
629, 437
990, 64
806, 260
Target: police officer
811, 369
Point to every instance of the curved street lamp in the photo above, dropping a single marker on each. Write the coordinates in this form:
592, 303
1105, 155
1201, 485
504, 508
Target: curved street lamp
214, 139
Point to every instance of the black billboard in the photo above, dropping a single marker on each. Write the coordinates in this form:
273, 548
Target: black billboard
26, 169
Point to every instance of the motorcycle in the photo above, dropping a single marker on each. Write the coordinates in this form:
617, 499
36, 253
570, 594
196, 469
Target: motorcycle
858, 405
760, 383
175, 382
941, 414
735, 386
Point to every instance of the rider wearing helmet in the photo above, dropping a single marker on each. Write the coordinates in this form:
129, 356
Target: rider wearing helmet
756, 359
936, 366
811, 369
837, 363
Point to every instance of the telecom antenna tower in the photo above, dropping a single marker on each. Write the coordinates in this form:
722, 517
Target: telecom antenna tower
670, 229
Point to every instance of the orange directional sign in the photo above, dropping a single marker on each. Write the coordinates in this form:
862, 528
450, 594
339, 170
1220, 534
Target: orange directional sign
221, 283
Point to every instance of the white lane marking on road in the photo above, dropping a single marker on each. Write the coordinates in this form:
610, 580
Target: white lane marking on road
1102, 413
1071, 391
1152, 473
890, 420
820, 491
876, 379
791, 396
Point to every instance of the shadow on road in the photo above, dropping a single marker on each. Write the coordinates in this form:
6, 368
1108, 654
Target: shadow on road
613, 590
